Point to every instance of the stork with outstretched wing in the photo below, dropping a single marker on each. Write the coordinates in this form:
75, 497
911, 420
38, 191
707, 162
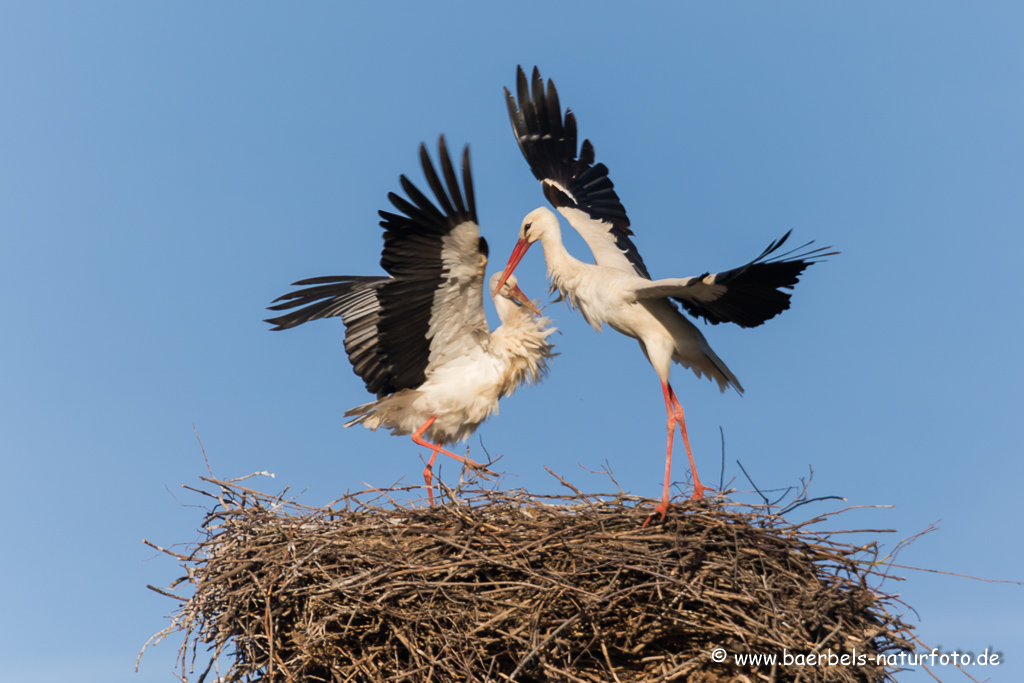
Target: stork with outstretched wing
616, 289
418, 337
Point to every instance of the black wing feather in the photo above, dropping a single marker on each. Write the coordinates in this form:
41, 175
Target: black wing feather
467, 182
355, 299
387, 318
549, 144
435, 182
453, 183
753, 291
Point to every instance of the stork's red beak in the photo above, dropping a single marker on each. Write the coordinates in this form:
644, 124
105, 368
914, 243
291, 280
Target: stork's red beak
519, 297
517, 255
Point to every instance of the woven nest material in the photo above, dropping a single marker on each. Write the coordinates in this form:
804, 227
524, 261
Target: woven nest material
501, 586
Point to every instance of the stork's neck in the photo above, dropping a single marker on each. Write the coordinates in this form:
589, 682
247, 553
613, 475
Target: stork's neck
520, 344
562, 265
570, 277
504, 307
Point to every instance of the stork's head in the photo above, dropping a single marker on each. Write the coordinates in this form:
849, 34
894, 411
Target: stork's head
506, 287
536, 224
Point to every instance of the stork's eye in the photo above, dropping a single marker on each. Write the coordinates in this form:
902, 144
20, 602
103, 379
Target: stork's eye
526, 228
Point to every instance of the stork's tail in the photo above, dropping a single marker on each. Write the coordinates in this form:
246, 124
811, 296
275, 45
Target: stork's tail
716, 369
724, 376
364, 414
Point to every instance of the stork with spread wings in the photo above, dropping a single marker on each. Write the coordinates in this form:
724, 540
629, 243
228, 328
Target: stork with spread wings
418, 337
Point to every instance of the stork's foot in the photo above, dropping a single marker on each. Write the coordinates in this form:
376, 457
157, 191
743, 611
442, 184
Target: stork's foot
475, 467
479, 469
663, 509
698, 491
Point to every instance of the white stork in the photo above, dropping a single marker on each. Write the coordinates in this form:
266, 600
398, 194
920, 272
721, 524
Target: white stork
617, 289
419, 339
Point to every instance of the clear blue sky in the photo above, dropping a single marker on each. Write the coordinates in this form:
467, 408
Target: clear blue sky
166, 170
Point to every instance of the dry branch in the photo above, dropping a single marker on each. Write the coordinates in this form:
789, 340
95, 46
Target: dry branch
502, 586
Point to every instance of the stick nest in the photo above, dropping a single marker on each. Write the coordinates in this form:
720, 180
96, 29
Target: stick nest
500, 586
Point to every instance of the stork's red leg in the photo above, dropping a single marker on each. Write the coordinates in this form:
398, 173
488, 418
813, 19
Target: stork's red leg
698, 488
418, 439
671, 426
675, 416
428, 474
